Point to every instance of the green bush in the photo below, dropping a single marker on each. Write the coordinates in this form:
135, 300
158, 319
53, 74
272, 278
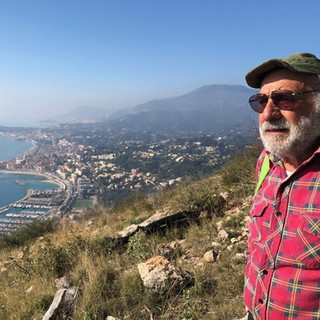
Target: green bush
200, 197
136, 202
26, 235
138, 247
238, 174
52, 260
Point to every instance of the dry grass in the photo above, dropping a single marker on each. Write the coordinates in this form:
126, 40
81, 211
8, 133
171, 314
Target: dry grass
109, 281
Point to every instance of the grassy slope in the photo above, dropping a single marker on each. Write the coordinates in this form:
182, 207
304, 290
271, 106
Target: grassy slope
109, 280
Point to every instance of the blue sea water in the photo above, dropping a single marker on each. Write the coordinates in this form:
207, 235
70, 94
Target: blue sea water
10, 190
10, 148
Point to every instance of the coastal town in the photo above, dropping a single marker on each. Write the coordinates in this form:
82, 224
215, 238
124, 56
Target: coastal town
36, 204
104, 168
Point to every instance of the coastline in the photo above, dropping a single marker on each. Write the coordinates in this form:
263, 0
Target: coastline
35, 203
32, 147
50, 178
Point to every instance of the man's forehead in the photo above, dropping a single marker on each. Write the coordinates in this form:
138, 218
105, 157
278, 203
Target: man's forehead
287, 76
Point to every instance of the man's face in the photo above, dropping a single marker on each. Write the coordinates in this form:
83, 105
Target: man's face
288, 133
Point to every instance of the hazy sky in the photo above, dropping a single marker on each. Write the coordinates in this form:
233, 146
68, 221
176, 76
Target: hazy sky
56, 55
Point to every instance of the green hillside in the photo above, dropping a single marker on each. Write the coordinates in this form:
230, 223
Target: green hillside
210, 249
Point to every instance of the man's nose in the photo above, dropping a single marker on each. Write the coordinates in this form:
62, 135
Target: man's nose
271, 111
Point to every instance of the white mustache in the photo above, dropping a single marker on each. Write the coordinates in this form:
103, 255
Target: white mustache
280, 124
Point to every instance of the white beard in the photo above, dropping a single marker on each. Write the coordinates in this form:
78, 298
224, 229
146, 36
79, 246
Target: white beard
299, 138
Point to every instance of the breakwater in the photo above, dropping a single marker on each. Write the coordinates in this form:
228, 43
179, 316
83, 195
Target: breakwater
28, 195
45, 199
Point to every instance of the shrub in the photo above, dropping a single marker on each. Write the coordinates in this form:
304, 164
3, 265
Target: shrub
136, 202
30, 232
52, 261
141, 246
238, 174
200, 197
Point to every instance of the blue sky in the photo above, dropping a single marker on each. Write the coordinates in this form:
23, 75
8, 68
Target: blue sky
58, 55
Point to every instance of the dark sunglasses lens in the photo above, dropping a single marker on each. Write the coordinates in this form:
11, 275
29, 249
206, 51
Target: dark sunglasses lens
284, 99
258, 102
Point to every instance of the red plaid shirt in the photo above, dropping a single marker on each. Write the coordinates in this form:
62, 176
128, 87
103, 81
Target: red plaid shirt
282, 277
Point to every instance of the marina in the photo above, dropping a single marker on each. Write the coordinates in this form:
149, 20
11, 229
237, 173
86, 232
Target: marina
26, 194
47, 200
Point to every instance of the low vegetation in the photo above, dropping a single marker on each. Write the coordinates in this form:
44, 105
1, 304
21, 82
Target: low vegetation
108, 278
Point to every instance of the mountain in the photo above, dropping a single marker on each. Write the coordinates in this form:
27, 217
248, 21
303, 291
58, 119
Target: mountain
206, 109
209, 107
82, 114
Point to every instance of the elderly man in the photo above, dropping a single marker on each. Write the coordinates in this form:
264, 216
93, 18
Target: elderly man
282, 277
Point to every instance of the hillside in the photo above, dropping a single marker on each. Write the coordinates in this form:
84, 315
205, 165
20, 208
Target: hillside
82, 114
107, 274
206, 109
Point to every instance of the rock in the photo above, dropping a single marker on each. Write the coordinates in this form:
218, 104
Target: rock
156, 217
9, 261
219, 225
128, 231
210, 256
232, 212
90, 223
240, 256
224, 195
245, 234
111, 318
3, 270
55, 305
159, 275
159, 221
29, 290
62, 304
216, 246
63, 282
235, 240
217, 249
199, 265
222, 235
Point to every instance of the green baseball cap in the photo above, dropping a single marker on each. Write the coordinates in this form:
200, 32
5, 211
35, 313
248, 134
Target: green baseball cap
298, 62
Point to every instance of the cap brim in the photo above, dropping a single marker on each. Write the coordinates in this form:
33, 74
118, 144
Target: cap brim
256, 75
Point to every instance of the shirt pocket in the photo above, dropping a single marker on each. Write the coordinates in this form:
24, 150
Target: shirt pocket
257, 213
258, 207
307, 248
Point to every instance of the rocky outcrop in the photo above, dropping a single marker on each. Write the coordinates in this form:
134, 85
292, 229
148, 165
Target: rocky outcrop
160, 221
160, 276
156, 223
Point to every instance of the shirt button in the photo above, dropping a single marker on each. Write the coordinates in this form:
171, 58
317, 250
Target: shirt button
278, 213
260, 300
265, 272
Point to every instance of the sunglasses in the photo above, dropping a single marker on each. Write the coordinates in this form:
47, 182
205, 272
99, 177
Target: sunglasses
283, 99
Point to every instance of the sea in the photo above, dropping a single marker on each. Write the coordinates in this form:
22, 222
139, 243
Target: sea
13, 187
